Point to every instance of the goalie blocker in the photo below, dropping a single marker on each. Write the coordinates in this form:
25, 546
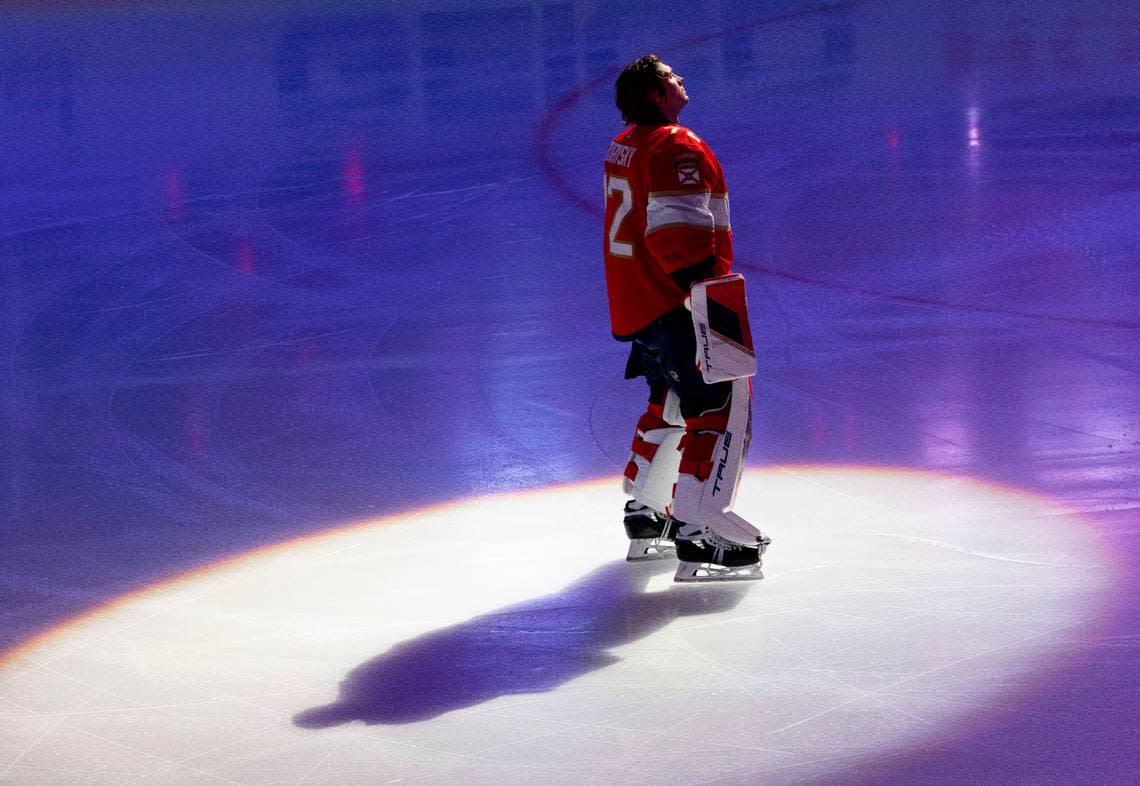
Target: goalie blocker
713, 543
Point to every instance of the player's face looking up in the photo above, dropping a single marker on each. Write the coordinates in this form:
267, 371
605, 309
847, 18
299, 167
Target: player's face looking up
649, 92
672, 96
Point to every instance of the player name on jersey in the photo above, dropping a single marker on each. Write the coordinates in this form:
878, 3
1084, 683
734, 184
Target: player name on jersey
619, 154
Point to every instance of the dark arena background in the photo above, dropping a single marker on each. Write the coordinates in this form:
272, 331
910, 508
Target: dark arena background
311, 422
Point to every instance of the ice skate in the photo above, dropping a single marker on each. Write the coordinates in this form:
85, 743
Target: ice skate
650, 533
708, 555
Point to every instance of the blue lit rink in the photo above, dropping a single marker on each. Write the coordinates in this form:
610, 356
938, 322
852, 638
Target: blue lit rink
312, 419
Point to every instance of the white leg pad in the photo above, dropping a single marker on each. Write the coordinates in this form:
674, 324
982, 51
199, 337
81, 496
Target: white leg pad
708, 502
655, 479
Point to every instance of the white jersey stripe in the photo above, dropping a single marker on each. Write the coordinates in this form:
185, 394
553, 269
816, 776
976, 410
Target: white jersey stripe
718, 205
678, 210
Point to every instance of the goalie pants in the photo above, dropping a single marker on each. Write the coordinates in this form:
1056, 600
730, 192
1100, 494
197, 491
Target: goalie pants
685, 415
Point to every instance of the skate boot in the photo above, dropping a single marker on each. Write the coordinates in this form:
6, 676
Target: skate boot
650, 533
706, 555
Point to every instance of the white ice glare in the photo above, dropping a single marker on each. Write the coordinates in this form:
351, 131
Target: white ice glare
504, 640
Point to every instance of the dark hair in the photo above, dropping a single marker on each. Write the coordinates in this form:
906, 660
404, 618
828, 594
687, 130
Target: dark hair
632, 89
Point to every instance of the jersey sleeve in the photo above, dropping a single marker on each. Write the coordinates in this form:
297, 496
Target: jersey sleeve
686, 218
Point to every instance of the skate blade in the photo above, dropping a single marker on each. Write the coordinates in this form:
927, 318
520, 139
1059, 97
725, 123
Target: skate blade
646, 549
704, 571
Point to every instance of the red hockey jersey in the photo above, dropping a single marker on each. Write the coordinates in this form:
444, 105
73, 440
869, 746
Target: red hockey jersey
666, 208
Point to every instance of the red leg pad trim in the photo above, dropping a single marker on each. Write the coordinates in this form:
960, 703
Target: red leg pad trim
650, 422
631, 471
644, 449
716, 421
701, 470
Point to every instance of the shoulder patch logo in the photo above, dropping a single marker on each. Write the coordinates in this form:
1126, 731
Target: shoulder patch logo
688, 167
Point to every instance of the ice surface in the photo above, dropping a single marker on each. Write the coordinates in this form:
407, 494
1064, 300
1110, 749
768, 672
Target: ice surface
538, 657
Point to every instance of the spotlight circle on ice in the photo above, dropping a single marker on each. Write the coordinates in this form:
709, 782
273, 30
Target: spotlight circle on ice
483, 644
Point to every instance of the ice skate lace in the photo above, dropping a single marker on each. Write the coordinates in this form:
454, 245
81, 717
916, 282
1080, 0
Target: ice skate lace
719, 544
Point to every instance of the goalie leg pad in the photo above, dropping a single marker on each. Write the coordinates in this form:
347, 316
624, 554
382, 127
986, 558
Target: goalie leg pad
712, 460
655, 455
712, 542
